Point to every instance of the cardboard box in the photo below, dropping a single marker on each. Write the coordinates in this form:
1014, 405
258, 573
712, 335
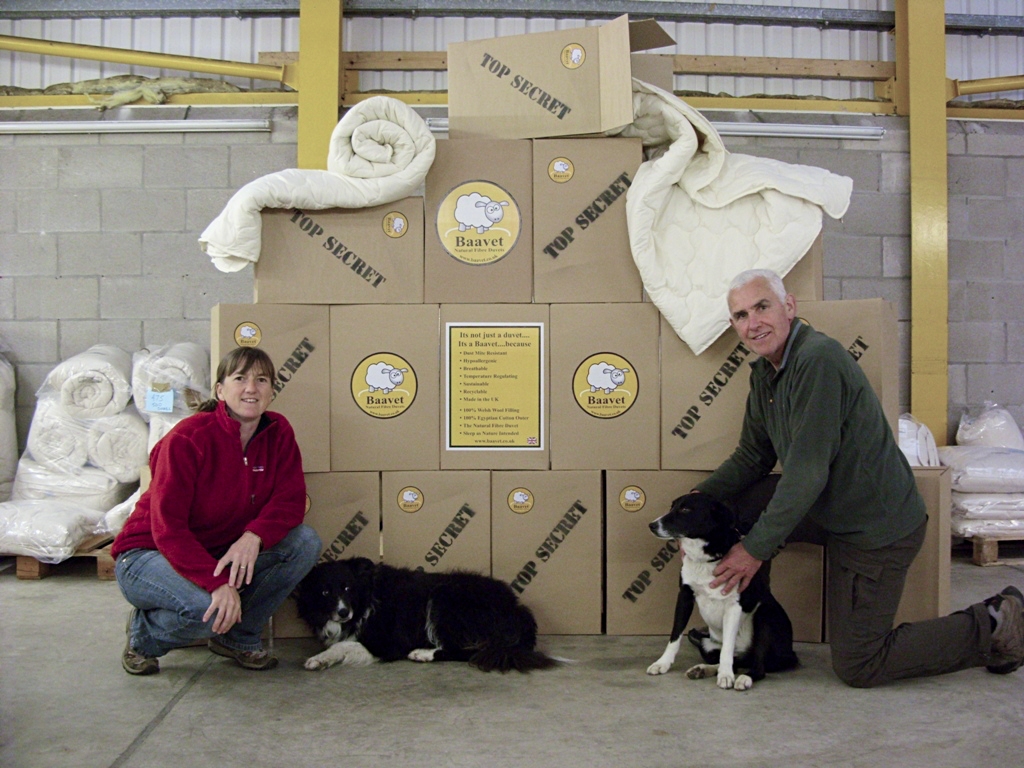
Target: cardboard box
806, 280
494, 386
703, 397
643, 572
561, 83
605, 386
479, 220
344, 508
384, 385
655, 69
868, 329
437, 521
926, 592
581, 247
297, 338
546, 543
342, 256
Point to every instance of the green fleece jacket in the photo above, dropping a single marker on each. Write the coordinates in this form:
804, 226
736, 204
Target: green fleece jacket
820, 418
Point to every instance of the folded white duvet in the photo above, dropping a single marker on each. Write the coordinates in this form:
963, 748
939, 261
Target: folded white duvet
94, 383
982, 469
180, 369
380, 151
119, 444
698, 215
56, 440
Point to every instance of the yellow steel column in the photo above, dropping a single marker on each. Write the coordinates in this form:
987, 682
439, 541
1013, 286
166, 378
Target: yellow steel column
319, 77
922, 26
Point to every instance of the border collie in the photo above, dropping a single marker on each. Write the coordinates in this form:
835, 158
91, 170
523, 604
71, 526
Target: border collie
746, 630
365, 612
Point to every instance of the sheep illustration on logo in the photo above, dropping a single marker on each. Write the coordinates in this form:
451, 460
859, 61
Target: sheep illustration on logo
632, 495
576, 57
398, 225
605, 376
384, 377
479, 212
247, 332
561, 166
410, 496
520, 497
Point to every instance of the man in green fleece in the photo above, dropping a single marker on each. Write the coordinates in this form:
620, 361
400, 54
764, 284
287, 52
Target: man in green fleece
811, 408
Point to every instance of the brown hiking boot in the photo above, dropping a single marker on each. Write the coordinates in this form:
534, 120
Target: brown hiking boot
256, 660
1008, 636
135, 663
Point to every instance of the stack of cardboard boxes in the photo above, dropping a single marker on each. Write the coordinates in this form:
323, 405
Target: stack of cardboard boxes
475, 377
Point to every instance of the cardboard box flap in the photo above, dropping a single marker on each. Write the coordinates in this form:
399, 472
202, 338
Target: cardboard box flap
647, 34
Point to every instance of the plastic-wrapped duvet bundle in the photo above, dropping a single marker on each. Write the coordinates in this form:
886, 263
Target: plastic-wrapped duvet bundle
981, 469
119, 444
49, 530
993, 427
89, 487
56, 440
168, 383
8, 430
94, 383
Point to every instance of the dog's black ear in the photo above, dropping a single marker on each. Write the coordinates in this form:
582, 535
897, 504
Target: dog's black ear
363, 566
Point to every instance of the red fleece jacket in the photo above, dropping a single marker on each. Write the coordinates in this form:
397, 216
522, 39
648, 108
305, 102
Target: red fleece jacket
206, 493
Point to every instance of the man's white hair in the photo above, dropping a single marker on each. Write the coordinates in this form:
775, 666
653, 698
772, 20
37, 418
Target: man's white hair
750, 275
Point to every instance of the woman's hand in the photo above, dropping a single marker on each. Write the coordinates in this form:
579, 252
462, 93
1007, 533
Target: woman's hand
241, 557
227, 605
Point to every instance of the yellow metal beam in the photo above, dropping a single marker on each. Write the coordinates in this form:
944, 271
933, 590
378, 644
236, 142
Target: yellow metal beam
319, 92
922, 33
281, 74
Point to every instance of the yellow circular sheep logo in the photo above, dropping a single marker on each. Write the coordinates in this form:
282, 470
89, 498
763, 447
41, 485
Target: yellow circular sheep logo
248, 335
383, 385
632, 498
478, 223
396, 224
560, 170
573, 56
605, 385
410, 499
520, 501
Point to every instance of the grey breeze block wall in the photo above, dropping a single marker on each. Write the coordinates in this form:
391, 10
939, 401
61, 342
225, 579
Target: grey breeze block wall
98, 238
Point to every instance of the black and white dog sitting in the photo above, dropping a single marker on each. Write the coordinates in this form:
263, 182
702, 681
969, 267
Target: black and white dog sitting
365, 612
746, 630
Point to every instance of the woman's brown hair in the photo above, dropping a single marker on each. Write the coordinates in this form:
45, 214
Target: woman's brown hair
241, 360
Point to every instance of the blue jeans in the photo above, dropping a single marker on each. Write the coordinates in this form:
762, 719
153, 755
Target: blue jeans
170, 607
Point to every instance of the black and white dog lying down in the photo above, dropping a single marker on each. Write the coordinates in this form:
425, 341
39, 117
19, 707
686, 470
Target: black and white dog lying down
747, 630
365, 612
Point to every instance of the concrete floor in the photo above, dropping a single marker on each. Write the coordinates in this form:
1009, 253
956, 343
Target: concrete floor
64, 701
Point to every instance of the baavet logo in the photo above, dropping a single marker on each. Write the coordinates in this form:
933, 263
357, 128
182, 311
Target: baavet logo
605, 385
383, 385
478, 223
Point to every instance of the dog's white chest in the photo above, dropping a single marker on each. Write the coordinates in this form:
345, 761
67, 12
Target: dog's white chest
698, 574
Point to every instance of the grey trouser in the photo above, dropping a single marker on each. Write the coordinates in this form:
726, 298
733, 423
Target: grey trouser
862, 594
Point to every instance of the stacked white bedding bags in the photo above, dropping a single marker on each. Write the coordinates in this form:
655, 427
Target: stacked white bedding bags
168, 383
86, 445
8, 429
988, 475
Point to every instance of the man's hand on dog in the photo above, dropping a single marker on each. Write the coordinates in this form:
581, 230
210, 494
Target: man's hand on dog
736, 570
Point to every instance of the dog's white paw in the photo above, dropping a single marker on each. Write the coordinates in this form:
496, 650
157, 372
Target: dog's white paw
422, 654
726, 681
742, 683
700, 671
319, 661
659, 667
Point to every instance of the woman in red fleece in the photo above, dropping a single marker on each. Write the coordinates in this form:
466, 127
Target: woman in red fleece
217, 542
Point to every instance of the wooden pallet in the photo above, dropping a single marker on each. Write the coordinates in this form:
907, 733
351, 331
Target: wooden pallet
96, 546
986, 549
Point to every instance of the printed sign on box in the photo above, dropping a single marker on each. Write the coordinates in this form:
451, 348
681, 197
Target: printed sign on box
561, 83
494, 387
